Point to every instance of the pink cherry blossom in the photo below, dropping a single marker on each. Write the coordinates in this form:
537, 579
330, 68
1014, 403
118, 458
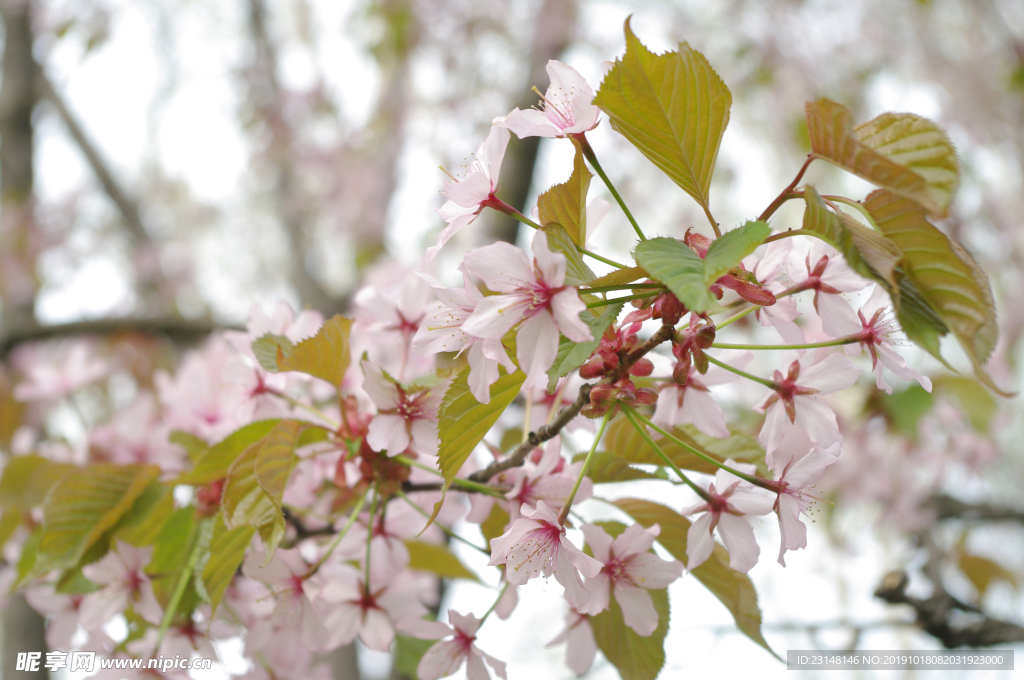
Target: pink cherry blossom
50, 378
629, 571
566, 108
443, 332
826, 273
285, 576
403, 417
548, 479
768, 270
692, 402
580, 646
795, 400
536, 545
533, 293
467, 196
794, 476
730, 503
123, 583
876, 328
447, 656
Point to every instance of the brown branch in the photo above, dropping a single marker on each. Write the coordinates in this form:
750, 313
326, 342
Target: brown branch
181, 331
549, 431
301, 530
947, 507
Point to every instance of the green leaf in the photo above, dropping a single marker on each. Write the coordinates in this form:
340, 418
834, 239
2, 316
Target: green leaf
636, 657
215, 463
245, 501
463, 421
143, 523
566, 204
621, 438
195, 447
949, 281
265, 348
495, 524
905, 408
408, 652
571, 355
10, 520
83, 506
975, 400
733, 589
869, 253
730, 248
606, 468
27, 480
227, 550
576, 271
437, 559
673, 107
326, 355
174, 543
904, 153
673, 263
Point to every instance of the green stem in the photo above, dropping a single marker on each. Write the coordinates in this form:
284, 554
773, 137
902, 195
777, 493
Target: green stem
179, 592
856, 205
714, 224
586, 466
516, 215
848, 340
788, 192
464, 483
401, 494
404, 460
588, 152
337, 539
743, 374
369, 540
786, 234
632, 415
496, 601
621, 286
736, 317
757, 481
600, 258
612, 301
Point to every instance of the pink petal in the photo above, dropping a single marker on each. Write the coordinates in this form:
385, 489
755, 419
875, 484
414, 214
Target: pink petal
530, 123
599, 588
699, 542
423, 629
580, 648
837, 317
377, 632
387, 432
501, 267
637, 608
738, 536
537, 347
455, 222
550, 265
566, 306
494, 316
817, 420
492, 152
701, 409
565, 573
469, 192
599, 541
634, 540
441, 660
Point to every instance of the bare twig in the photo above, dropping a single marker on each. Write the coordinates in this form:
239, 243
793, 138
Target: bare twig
947, 507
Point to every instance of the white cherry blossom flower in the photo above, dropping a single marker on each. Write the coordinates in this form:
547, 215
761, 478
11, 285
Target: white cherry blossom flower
566, 108
447, 656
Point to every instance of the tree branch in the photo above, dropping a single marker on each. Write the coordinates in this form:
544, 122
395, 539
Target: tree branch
947, 507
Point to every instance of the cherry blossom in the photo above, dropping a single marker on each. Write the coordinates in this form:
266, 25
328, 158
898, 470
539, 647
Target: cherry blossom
826, 273
794, 476
691, 401
49, 379
729, 503
443, 332
580, 646
795, 401
549, 480
533, 293
468, 196
629, 571
876, 328
566, 108
123, 583
536, 545
404, 416
285, 575
446, 656
768, 269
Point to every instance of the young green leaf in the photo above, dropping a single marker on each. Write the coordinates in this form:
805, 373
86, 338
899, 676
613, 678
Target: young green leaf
566, 203
143, 523
437, 559
27, 480
674, 264
174, 543
726, 251
571, 355
732, 588
906, 154
265, 348
636, 657
214, 464
946, 276
326, 355
227, 550
673, 107
83, 506
619, 277
463, 421
577, 272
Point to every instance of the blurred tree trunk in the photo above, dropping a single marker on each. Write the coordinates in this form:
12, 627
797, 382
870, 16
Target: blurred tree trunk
555, 28
23, 629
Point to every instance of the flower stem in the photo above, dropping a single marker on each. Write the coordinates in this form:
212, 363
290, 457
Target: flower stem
588, 152
496, 601
337, 539
632, 415
586, 466
612, 301
787, 193
742, 374
493, 201
404, 497
786, 234
369, 540
600, 258
736, 317
464, 483
621, 286
847, 340
857, 205
179, 588
757, 481
711, 219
